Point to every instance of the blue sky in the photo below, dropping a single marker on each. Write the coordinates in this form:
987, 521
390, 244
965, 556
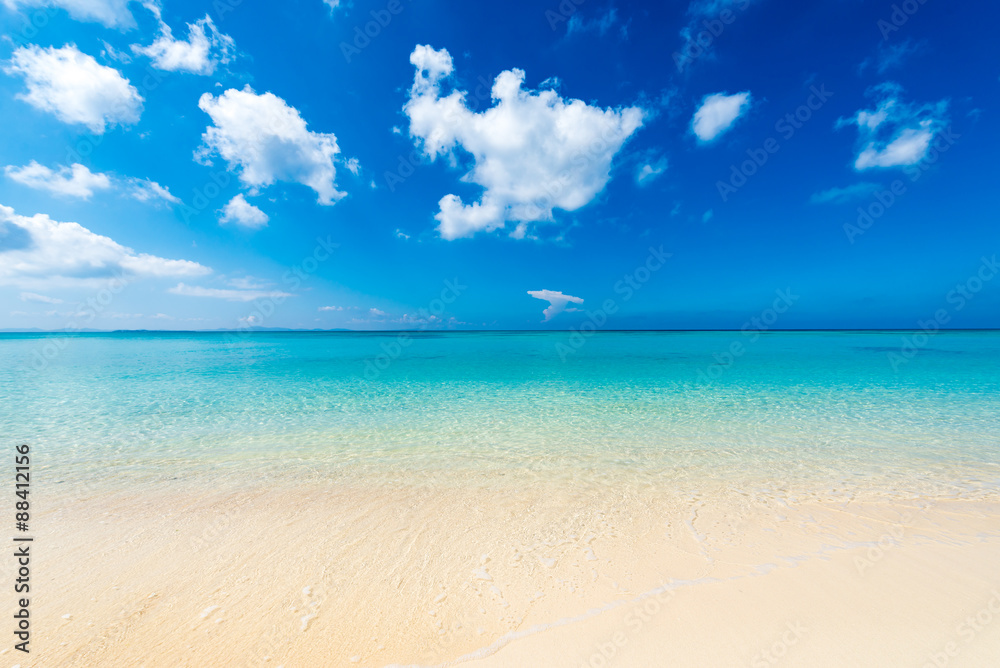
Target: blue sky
403, 164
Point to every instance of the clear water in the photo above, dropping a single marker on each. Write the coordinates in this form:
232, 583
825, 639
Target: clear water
810, 410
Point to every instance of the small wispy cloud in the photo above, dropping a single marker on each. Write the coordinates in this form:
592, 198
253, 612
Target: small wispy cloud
648, 172
34, 297
891, 55
601, 25
845, 194
232, 295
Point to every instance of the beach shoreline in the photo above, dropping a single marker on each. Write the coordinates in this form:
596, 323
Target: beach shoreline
343, 574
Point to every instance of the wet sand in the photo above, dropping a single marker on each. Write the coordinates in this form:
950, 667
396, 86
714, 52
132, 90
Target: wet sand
411, 574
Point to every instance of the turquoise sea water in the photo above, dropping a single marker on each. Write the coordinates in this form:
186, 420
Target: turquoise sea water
826, 410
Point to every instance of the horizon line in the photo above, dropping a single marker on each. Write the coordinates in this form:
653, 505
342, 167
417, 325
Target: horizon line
289, 330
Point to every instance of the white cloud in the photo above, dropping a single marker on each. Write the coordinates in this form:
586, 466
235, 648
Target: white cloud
227, 294
846, 194
38, 251
145, 190
248, 283
75, 88
533, 151
204, 49
650, 171
557, 302
238, 210
895, 133
268, 141
109, 13
111, 53
34, 297
73, 181
78, 181
718, 113
331, 308
377, 313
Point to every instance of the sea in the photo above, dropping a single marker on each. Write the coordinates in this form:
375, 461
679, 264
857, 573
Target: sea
892, 413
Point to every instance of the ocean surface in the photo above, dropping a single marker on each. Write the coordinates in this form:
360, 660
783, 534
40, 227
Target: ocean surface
834, 412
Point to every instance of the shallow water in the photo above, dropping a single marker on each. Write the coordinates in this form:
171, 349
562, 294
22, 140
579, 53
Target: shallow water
823, 411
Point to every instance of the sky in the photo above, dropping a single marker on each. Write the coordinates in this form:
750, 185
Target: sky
412, 164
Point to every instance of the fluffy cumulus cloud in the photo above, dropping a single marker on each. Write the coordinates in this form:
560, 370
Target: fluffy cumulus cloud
718, 113
532, 151
241, 212
895, 133
75, 88
74, 181
558, 302
39, 251
109, 13
267, 140
203, 50
78, 181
